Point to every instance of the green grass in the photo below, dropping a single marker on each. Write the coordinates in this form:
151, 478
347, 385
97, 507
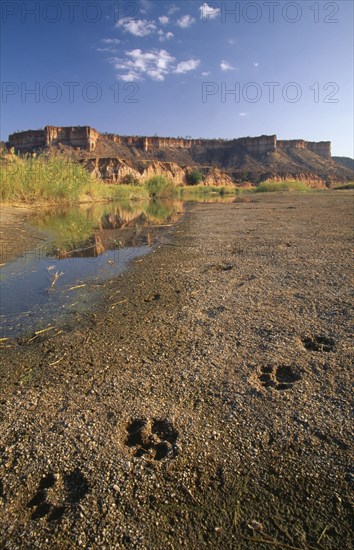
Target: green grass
159, 187
105, 191
271, 187
56, 180
40, 180
202, 190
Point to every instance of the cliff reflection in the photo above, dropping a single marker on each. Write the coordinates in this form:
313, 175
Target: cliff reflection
89, 231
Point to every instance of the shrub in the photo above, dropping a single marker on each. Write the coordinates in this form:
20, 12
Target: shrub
159, 186
194, 178
270, 186
130, 179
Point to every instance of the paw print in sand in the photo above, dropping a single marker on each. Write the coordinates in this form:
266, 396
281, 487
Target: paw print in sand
152, 438
282, 377
55, 494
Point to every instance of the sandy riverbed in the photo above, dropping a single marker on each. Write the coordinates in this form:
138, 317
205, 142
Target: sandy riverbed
206, 403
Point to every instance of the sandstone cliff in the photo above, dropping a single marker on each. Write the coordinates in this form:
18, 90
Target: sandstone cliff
114, 170
222, 162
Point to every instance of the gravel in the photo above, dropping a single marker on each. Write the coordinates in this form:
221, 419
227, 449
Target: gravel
209, 409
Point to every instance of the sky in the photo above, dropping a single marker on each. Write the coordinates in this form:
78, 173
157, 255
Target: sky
183, 68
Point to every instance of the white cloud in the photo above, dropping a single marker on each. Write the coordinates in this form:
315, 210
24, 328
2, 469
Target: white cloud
225, 66
110, 40
137, 27
165, 35
208, 12
206, 73
154, 64
186, 66
163, 19
185, 21
256, 64
242, 114
108, 50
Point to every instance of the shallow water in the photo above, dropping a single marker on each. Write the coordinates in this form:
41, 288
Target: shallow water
83, 244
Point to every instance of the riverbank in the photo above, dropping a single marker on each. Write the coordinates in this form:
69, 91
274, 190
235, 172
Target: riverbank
60, 179
205, 403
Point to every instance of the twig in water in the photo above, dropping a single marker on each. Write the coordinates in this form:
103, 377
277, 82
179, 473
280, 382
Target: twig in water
55, 278
74, 287
117, 291
43, 330
121, 302
36, 334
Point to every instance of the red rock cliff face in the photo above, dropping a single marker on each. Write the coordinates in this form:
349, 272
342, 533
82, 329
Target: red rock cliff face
85, 138
152, 143
114, 170
291, 144
259, 145
27, 141
82, 137
322, 148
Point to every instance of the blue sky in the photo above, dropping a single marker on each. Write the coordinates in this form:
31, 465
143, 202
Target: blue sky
184, 68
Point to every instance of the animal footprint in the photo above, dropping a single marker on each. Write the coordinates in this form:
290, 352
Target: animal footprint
281, 377
319, 343
74, 487
156, 438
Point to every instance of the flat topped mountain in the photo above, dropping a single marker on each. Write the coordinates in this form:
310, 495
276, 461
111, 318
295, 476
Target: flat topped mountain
253, 159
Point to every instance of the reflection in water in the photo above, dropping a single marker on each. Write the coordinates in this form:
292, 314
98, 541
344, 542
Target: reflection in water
91, 230
90, 243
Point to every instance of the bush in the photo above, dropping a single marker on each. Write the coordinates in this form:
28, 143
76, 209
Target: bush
130, 179
270, 187
159, 186
194, 178
202, 190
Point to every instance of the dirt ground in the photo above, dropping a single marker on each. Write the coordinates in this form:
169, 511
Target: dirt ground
205, 403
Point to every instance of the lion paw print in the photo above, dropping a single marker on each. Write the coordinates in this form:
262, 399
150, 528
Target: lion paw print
282, 377
155, 439
55, 495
